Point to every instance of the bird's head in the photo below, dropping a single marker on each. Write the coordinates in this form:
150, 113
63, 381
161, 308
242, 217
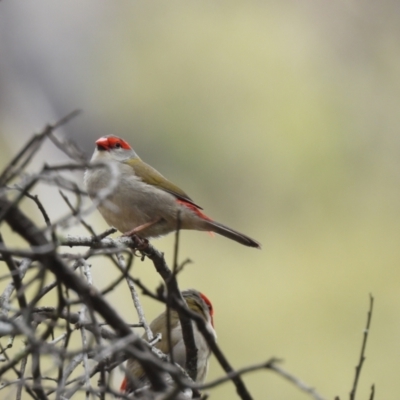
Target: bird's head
113, 148
199, 303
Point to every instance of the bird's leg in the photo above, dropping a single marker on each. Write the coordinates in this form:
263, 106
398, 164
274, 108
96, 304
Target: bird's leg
140, 228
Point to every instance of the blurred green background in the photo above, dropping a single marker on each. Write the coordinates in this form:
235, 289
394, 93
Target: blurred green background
282, 120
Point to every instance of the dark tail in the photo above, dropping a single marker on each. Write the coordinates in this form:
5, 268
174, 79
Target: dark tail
232, 234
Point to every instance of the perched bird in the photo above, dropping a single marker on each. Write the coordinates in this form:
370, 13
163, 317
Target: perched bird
198, 303
143, 202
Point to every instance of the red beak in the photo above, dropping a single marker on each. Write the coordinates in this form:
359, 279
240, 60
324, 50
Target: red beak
102, 143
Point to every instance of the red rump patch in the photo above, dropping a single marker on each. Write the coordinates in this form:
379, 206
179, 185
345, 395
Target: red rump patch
194, 209
124, 385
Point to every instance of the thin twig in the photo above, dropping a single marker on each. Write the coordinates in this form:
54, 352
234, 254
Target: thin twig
15, 277
5, 297
372, 395
43, 211
82, 317
296, 381
363, 347
30, 149
76, 213
136, 301
21, 378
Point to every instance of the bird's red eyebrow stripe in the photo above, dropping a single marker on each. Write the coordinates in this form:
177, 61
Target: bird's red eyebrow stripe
208, 302
113, 140
210, 307
193, 208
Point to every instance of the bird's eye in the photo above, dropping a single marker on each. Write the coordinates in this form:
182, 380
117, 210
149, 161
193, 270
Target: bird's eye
118, 145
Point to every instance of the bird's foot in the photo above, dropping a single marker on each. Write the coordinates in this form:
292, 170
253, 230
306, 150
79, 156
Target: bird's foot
141, 244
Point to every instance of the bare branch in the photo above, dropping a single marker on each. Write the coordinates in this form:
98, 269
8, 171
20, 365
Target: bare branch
363, 347
372, 395
78, 309
24, 227
296, 381
30, 149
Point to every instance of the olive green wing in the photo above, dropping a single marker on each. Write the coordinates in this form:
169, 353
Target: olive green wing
152, 177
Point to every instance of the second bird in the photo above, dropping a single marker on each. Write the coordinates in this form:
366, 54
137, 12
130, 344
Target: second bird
143, 202
199, 304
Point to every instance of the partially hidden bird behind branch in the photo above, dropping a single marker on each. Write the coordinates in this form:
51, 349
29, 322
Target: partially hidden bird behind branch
198, 303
